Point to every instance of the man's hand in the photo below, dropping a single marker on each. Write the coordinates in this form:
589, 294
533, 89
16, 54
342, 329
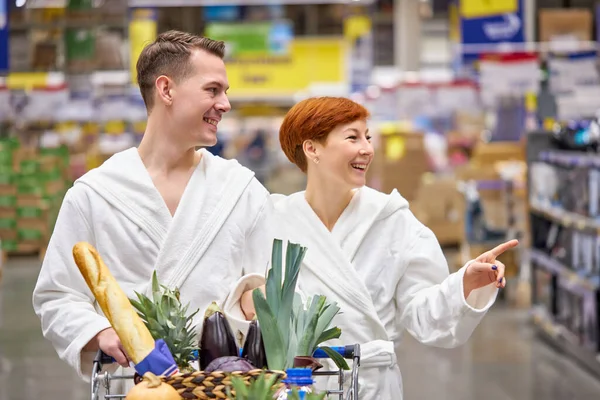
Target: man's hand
108, 341
247, 303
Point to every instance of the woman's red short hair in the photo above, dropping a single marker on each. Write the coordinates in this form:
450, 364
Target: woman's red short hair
313, 119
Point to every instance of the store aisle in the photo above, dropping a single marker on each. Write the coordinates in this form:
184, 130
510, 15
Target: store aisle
503, 361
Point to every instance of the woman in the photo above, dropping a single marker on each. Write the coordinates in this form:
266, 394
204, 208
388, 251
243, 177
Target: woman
368, 252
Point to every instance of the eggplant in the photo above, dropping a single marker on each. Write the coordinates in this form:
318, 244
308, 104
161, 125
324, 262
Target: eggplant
254, 347
217, 339
229, 364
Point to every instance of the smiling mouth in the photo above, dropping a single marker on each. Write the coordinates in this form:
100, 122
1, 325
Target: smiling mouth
360, 167
211, 121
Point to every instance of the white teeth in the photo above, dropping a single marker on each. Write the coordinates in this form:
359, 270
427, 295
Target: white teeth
211, 121
359, 166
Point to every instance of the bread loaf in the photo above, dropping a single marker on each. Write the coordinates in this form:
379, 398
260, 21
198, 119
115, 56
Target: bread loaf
135, 337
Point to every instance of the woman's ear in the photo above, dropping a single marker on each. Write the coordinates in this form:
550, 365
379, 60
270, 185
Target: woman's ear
310, 150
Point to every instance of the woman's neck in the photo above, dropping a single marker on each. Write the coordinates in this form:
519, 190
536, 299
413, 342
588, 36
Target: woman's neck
327, 201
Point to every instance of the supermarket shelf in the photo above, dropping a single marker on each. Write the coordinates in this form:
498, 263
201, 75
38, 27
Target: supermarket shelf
570, 158
93, 22
558, 268
566, 218
497, 184
195, 3
554, 334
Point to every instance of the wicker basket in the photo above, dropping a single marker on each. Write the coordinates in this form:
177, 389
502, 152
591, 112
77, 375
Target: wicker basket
214, 385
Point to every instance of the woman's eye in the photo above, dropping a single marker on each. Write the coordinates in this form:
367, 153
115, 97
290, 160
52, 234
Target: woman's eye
213, 90
368, 137
351, 137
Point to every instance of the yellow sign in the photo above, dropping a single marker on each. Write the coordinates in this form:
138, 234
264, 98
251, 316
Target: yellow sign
309, 61
27, 80
486, 8
142, 31
395, 148
356, 26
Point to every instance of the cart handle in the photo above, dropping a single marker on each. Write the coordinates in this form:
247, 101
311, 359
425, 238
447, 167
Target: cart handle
348, 352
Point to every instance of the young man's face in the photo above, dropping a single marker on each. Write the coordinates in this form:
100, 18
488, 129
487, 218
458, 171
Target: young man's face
200, 100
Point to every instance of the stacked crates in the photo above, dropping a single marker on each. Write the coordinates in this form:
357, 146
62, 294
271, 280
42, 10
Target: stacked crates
33, 183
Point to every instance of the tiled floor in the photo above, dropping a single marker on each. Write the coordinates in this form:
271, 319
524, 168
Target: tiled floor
503, 360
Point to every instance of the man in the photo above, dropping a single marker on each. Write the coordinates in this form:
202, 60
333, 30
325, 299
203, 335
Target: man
199, 220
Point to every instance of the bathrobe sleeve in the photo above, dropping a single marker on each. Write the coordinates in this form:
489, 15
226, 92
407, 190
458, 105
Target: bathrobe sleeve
257, 257
431, 303
61, 298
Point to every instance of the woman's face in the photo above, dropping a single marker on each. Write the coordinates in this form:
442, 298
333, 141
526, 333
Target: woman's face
345, 156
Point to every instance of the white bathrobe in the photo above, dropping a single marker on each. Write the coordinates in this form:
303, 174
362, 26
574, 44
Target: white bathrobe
220, 232
387, 272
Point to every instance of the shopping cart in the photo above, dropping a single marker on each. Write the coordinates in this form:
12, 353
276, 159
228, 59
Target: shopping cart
102, 379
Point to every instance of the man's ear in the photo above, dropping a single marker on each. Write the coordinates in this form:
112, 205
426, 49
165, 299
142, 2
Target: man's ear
164, 89
310, 150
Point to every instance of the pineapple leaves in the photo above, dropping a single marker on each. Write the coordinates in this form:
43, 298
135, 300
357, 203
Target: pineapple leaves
261, 388
336, 357
166, 318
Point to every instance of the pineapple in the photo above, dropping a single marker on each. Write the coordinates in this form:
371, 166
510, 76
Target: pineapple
167, 319
263, 388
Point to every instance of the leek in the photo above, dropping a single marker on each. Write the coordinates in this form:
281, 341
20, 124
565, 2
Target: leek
274, 313
290, 329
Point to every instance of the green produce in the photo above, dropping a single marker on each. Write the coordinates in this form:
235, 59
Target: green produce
288, 329
166, 318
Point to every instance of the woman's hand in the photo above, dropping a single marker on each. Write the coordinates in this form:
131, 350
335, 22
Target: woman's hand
247, 303
486, 269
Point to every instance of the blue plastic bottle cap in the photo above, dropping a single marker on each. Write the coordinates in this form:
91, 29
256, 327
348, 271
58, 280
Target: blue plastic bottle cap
299, 372
298, 377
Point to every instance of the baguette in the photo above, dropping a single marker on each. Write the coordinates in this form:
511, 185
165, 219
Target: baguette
131, 330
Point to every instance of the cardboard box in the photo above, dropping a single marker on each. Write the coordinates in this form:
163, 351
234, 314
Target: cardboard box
8, 213
8, 190
488, 154
399, 163
8, 234
565, 24
440, 206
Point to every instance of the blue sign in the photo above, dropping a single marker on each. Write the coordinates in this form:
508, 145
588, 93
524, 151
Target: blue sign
483, 33
495, 29
3, 36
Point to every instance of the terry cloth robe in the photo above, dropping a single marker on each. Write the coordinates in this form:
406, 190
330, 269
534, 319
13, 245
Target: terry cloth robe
388, 274
220, 232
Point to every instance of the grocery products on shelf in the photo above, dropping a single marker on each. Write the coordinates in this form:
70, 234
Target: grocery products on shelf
565, 240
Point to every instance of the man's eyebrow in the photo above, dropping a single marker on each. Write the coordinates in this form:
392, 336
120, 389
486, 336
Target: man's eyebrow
216, 83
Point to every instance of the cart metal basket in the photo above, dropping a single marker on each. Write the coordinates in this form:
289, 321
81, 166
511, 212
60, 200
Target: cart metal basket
102, 379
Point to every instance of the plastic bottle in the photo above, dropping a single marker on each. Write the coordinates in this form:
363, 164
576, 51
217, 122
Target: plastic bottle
300, 379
